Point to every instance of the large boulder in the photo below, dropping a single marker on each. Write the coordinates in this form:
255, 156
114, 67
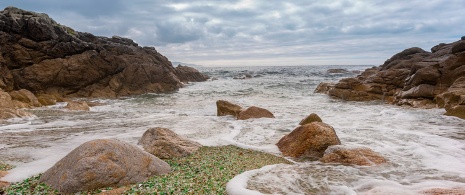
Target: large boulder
254, 112
310, 140
361, 156
166, 144
45, 57
310, 119
224, 108
102, 163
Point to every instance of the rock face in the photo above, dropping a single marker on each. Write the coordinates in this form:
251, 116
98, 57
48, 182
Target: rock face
166, 144
102, 163
310, 140
361, 156
310, 118
254, 112
224, 108
45, 57
412, 77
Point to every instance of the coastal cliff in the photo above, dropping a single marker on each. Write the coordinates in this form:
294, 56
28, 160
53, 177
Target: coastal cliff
413, 77
44, 57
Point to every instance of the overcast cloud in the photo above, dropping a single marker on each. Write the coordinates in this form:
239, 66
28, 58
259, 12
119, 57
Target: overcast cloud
253, 32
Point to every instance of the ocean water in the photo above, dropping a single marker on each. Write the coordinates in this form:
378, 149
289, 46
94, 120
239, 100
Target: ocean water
425, 149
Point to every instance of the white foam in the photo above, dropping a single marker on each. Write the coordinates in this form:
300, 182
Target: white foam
238, 184
422, 146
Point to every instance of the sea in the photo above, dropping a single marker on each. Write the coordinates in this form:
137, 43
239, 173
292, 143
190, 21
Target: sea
424, 148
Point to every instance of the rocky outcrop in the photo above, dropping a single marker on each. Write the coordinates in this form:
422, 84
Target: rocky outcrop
361, 156
412, 77
102, 163
224, 108
45, 57
310, 119
188, 74
309, 141
254, 112
166, 144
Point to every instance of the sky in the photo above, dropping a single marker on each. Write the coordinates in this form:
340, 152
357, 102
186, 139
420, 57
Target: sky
264, 32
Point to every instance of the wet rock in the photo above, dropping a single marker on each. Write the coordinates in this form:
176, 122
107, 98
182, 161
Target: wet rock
224, 108
443, 191
74, 105
103, 163
412, 77
310, 141
324, 87
5, 100
40, 55
188, 74
166, 144
24, 99
254, 112
361, 156
337, 70
8, 107
46, 99
310, 119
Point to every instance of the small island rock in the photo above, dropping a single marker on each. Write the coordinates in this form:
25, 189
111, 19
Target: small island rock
224, 108
310, 140
254, 112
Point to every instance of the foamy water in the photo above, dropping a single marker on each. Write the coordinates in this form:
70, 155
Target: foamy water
425, 149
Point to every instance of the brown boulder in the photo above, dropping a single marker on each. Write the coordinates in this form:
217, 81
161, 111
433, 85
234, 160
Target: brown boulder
73, 105
188, 74
254, 112
361, 156
224, 108
46, 99
310, 118
310, 140
24, 99
324, 87
166, 144
102, 163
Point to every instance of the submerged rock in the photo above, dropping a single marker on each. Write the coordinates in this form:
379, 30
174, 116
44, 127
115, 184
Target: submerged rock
310, 140
254, 112
102, 163
45, 57
361, 156
412, 77
224, 108
166, 144
73, 105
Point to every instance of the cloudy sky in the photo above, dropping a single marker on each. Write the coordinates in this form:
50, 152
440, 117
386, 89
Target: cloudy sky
264, 32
